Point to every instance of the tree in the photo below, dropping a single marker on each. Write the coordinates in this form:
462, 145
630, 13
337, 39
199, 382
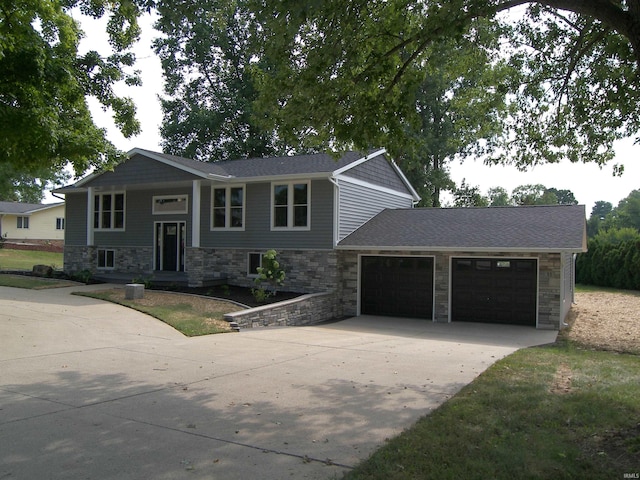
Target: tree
498, 197
44, 82
346, 70
210, 85
16, 186
468, 196
458, 113
599, 213
541, 195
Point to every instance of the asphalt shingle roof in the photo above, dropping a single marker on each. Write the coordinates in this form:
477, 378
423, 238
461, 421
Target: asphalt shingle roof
268, 166
557, 227
17, 208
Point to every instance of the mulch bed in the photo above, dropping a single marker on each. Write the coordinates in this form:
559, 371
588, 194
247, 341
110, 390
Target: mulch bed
241, 295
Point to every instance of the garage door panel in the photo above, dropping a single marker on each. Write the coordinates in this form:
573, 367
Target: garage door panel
396, 286
494, 290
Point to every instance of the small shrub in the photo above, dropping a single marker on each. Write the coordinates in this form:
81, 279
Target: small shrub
270, 272
83, 276
260, 294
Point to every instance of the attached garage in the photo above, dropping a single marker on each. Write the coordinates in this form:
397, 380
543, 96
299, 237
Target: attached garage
507, 265
494, 290
396, 286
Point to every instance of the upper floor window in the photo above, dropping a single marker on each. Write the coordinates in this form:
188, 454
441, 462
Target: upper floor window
167, 204
290, 205
59, 223
23, 222
108, 211
228, 207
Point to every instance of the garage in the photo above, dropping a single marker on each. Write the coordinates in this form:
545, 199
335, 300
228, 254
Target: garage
397, 286
494, 290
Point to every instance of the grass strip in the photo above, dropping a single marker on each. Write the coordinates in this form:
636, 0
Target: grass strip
554, 412
185, 316
11, 259
34, 283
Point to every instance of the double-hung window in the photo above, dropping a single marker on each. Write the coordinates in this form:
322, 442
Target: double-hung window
291, 204
228, 207
23, 222
108, 211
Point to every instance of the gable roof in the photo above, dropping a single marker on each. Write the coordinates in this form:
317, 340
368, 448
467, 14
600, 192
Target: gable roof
319, 165
19, 208
261, 166
525, 228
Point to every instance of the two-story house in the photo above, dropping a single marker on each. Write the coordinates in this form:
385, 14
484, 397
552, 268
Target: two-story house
344, 224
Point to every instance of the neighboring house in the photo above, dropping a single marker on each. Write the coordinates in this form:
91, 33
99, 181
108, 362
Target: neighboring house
29, 222
343, 225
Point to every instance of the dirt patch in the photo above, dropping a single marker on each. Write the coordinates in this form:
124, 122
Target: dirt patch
561, 384
606, 321
155, 298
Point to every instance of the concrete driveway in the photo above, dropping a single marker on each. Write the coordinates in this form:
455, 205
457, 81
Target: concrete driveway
96, 391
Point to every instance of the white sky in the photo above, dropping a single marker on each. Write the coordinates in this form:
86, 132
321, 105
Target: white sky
587, 182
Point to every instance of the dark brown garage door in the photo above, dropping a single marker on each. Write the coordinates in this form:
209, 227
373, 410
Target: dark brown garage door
397, 286
494, 290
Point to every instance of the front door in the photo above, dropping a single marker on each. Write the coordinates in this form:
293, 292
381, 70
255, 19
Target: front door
169, 246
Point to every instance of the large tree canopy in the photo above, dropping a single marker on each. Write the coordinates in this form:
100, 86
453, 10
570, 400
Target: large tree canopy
348, 70
209, 88
44, 81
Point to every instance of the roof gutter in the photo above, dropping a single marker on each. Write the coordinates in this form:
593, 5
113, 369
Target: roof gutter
460, 249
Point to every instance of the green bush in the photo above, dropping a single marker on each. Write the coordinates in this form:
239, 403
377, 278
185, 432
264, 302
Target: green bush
613, 260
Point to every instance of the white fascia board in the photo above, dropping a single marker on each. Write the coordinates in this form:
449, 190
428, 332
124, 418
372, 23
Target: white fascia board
46, 207
380, 188
415, 194
360, 161
276, 178
166, 161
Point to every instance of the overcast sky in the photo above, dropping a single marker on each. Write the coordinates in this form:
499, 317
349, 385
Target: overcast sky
588, 182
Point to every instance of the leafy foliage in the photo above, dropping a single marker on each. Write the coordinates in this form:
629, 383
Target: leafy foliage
347, 71
469, 196
44, 117
612, 260
16, 186
271, 273
210, 85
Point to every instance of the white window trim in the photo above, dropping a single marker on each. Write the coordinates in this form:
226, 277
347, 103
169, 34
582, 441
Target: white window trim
184, 197
124, 211
227, 211
60, 223
290, 205
105, 250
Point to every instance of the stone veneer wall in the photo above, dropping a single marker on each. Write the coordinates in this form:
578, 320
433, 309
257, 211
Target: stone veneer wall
549, 278
304, 310
307, 271
135, 260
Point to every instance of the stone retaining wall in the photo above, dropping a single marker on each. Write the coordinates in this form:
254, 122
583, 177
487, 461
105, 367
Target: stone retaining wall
304, 310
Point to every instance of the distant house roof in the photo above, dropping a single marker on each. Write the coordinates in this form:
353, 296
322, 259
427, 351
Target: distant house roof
19, 208
525, 228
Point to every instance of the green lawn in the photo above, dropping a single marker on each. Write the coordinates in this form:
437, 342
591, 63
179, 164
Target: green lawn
553, 412
26, 259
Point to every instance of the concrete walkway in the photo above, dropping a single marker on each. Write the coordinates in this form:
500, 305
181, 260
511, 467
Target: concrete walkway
93, 390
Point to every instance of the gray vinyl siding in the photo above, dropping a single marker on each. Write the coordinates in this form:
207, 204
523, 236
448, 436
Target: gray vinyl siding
139, 220
75, 228
257, 232
378, 171
139, 170
359, 203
